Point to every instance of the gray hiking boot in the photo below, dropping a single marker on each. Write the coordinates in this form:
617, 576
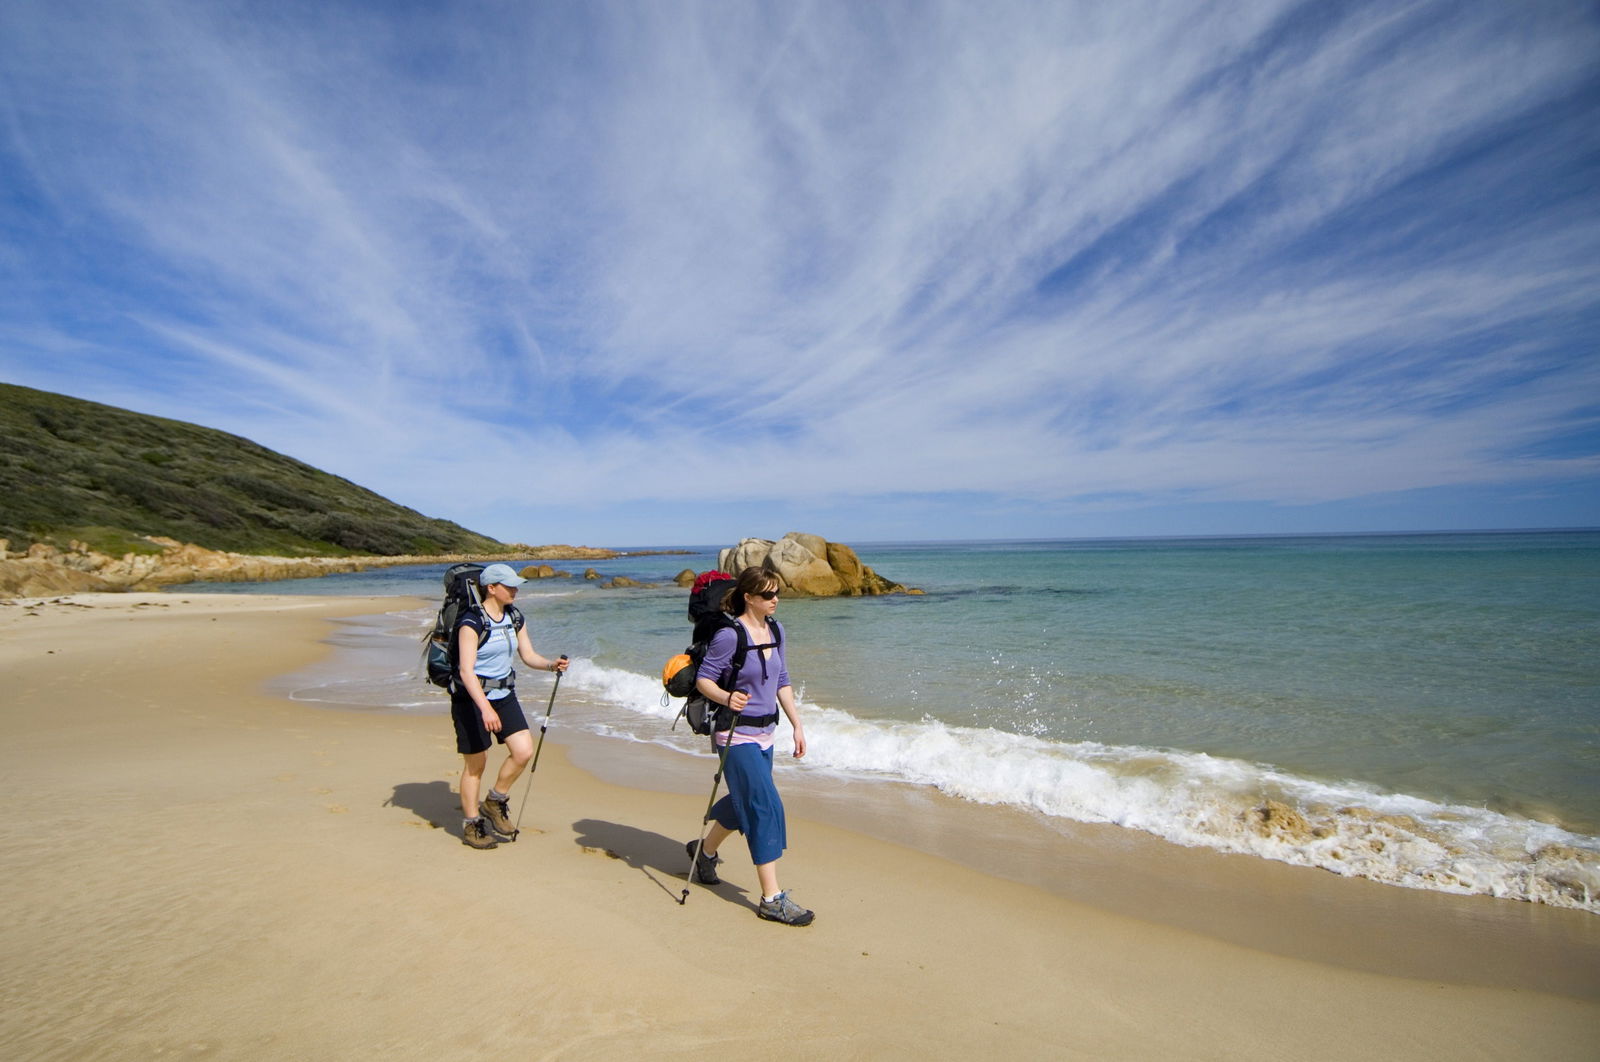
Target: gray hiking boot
705, 868
782, 909
476, 834
498, 812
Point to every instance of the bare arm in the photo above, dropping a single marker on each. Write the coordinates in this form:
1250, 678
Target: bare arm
467, 655
786, 702
533, 659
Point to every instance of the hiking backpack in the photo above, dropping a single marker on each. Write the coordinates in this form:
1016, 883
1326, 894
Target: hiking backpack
679, 675
439, 644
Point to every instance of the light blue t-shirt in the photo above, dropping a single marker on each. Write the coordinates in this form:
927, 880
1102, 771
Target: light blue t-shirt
498, 653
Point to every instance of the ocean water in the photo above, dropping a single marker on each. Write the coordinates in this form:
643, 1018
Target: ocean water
1422, 710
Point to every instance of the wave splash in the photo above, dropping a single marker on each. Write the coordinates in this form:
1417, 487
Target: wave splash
1194, 799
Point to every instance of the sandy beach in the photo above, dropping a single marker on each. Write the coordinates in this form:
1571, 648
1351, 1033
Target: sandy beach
211, 871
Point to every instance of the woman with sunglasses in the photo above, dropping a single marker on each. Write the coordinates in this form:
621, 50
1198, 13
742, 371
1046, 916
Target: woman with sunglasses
760, 689
483, 701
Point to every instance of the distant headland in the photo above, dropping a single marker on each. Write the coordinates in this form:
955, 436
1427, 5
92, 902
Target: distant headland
44, 569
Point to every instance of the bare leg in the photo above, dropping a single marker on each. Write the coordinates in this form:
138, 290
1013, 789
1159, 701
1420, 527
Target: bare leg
767, 875
718, 834
519, 747
471, 782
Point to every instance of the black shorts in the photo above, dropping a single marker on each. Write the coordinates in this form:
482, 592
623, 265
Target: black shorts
471, 735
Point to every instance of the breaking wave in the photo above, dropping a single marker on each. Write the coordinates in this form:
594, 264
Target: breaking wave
1191, 799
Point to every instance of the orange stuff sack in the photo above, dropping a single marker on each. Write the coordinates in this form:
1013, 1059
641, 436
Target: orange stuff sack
677, 675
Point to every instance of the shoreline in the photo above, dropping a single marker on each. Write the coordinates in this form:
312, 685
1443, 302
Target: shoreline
251, 876
1295, 912
1245, 899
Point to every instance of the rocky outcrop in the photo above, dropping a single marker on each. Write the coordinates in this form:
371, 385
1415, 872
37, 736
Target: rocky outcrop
809, 566
45, 570
544, 571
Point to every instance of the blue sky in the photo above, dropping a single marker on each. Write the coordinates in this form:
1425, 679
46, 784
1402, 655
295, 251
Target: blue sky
655, 272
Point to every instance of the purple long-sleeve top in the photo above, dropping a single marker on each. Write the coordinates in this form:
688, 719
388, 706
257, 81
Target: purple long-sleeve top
760, 678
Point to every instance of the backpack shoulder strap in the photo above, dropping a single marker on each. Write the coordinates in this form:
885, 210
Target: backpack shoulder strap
516, 618
741, 649
484, 622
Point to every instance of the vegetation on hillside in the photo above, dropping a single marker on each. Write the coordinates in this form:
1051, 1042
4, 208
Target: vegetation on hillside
72, 469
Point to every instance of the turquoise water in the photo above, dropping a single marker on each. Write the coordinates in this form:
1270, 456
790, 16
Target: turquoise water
1420, 709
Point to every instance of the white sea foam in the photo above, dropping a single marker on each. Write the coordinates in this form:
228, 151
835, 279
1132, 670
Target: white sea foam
1188, 798
1193, 799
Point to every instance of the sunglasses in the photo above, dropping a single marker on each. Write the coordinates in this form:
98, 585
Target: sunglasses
767, 595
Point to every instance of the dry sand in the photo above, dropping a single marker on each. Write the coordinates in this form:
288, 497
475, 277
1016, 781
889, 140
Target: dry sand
207, 871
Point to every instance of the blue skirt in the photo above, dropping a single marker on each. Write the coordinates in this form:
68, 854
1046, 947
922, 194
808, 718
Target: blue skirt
752, 805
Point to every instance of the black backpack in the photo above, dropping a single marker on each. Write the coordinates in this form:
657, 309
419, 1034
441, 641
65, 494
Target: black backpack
705, 612
439, 644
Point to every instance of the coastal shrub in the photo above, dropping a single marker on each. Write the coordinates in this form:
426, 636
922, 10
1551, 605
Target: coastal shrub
70, 464
113, 541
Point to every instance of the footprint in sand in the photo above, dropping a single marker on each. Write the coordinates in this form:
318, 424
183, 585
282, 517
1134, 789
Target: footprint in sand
337, 809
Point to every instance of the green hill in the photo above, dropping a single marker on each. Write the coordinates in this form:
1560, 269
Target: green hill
71, 469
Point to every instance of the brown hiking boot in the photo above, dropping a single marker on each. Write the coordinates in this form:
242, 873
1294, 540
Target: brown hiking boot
498, 812
477, 835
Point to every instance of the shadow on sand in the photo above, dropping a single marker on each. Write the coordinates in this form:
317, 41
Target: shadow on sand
435, 803
661, 859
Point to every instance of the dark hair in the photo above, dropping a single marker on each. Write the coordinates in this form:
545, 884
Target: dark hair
751, 581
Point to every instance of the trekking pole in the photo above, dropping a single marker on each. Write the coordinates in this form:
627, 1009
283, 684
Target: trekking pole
534, 766
716, 780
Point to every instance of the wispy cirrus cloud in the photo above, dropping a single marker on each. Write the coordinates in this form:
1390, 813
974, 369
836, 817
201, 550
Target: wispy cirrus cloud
1285, 253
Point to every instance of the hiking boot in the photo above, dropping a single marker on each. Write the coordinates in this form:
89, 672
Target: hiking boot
705, 868
498, 812
782, 909
477, 835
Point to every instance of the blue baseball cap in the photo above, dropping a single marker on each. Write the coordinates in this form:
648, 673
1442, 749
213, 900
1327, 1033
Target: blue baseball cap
500, 573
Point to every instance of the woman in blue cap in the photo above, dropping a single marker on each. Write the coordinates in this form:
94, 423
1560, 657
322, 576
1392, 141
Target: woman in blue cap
483, 701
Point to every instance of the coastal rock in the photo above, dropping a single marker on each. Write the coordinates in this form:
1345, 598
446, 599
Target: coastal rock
29, 577
622, 582
1276, 819
590, 574
809, 566
749, 553
685, 578
847, 567
796, 560
543, 571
